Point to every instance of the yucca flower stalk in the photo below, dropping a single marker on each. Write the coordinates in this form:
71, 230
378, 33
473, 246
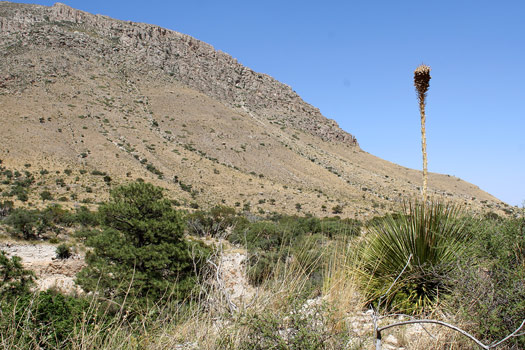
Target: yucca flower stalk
421, 82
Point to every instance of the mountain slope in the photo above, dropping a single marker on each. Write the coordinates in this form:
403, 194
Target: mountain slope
86, 92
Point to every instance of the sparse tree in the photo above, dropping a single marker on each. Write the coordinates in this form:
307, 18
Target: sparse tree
142, 248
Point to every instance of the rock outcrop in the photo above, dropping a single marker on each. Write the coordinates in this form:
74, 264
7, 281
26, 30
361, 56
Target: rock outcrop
155, 50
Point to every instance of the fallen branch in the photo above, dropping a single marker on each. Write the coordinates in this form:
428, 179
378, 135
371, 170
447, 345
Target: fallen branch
457, 329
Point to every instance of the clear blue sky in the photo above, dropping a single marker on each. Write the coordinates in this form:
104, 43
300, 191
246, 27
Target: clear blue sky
354, 60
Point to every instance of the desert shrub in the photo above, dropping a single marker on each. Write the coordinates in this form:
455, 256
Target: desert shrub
46, 320
213, 222
46, 196
151, 168
272, 242
55, 214
23, 222
185, 187
489, 288
20, 192
63, 251
330, 227
300, 328
265, 242
333, 227
6, 207
141, 248
85, 217
25, 181
337, 209
433, 236
14, 279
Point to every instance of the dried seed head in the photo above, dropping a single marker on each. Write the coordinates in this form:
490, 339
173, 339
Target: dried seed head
421, 81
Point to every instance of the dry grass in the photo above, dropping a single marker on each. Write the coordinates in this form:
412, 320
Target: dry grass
341, 287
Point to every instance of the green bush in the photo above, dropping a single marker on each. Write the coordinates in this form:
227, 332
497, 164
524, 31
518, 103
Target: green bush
45, 320
6, 207
14, 279
433, 236
337, 209
46, 196
271, 242
63, 251
151, 168
213, 222
23, 222
85, 217
141, 248
20, 192
489, 287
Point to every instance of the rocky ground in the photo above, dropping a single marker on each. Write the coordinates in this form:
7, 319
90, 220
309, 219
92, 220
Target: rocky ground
50, 272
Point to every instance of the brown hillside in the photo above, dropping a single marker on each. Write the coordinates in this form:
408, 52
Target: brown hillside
86, 92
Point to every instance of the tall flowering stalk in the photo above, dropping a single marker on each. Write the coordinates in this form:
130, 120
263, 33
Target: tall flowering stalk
421, 82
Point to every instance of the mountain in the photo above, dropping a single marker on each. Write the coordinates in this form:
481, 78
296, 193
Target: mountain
85, 95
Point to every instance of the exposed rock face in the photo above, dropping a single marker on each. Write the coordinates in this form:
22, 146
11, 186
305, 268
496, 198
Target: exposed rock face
154, 50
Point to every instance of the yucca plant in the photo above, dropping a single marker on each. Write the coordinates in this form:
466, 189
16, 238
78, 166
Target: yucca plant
422, 82
427, 236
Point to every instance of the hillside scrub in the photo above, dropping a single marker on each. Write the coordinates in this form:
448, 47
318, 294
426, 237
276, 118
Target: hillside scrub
489, 285
271, 241
31, 224
306, 270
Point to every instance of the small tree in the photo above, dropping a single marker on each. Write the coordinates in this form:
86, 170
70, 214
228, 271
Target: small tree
141, 251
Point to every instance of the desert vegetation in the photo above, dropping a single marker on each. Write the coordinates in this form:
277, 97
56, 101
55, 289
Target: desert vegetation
154, 280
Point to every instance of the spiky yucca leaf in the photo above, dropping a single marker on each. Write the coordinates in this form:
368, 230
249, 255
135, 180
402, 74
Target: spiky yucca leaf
433, 235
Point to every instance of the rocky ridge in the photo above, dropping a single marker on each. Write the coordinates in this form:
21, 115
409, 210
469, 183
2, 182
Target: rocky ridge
152, 48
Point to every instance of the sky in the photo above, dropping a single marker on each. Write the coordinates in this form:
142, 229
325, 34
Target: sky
354, 60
